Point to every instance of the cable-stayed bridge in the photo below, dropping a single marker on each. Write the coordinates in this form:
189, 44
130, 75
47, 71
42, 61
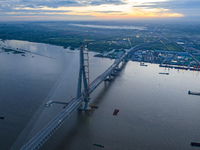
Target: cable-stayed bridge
47, 131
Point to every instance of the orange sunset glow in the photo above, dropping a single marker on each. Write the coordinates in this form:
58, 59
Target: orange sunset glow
107, 9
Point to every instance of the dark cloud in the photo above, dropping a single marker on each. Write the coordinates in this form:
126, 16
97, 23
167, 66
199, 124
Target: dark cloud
11, 8
56, 3
31, 6
16, 7
38, 11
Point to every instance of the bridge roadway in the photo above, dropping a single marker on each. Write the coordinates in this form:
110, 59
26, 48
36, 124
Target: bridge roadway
47, 131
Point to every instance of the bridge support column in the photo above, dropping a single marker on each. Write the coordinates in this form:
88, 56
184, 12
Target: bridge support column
82, 76
117, 68
110, 77
85, 106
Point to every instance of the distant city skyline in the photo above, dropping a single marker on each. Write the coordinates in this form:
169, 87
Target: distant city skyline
30, 10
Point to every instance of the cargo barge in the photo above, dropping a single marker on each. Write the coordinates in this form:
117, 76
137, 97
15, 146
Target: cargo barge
195, 144
99, 145
193, 93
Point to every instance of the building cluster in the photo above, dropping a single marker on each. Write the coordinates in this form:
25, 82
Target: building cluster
166, 57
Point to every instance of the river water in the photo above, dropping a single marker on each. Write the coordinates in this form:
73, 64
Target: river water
155, 110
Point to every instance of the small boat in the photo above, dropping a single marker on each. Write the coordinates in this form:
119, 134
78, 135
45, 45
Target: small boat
116, 112
166, 66
195, 144
96, 107
48, 104
99, 145
163, 73
1, 117
142, 64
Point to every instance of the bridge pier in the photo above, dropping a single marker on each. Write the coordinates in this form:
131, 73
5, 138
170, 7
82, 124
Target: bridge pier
114, 72
85, 106
110, 76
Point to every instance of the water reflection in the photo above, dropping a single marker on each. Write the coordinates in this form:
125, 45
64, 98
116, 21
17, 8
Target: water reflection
111, 27
155, 109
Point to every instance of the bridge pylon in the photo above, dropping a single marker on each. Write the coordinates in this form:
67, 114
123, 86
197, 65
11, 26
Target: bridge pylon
84, 75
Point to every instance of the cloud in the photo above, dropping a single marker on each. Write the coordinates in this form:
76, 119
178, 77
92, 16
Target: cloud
186, 7
56, 3
35, 12
108, 12
34, 7
101, 2
28, 9
172, 4
101, 8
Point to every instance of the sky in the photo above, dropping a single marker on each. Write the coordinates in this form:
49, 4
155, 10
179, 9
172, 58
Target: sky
17, 10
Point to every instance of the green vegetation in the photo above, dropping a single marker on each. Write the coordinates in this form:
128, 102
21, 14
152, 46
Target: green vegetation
12, 50
7, 50
100, 39
173, 47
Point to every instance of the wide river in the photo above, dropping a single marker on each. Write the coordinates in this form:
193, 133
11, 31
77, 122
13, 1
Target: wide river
155, 110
